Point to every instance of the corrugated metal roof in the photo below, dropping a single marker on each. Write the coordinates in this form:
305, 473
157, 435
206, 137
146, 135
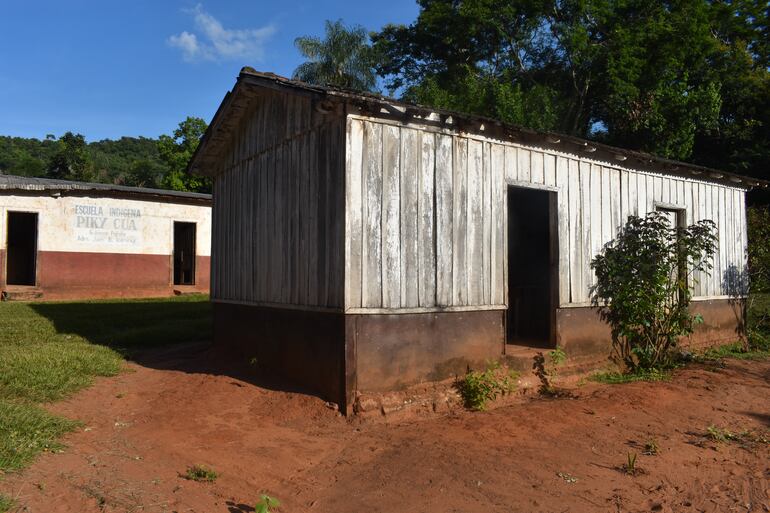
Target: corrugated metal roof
26, 183
577, 146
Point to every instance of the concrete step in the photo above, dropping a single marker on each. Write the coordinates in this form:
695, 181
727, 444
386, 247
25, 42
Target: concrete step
21, 294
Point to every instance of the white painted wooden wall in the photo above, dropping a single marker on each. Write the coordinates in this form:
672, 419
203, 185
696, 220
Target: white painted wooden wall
277, 236
426, 216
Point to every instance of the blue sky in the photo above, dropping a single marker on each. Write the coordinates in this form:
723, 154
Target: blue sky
106, 69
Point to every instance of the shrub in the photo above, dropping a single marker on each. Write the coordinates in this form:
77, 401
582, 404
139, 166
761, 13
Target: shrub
643, 286
479, 387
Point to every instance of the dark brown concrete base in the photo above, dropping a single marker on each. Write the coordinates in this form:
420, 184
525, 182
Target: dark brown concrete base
397, 350
580, 331
305, 347
337, 355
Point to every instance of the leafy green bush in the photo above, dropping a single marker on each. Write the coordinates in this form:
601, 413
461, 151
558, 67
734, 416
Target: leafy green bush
643, 287
479, 387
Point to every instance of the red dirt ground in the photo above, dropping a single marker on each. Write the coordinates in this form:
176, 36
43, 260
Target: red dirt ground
144, 427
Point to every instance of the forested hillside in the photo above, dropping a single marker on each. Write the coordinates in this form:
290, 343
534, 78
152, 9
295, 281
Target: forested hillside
136, 161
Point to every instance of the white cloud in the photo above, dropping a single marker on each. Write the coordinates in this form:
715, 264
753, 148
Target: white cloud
212, 41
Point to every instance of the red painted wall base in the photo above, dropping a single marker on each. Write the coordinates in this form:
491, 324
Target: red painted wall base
71, 275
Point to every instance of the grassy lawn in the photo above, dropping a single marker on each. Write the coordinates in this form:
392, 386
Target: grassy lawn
50, 350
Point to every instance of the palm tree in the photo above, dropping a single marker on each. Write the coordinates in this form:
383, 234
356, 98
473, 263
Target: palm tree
343, 58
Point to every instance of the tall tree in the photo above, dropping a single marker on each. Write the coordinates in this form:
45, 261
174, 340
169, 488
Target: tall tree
685, 79
71, 161
343, 58
176, 151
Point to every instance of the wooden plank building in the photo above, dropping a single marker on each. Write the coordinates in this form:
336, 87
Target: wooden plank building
363, 244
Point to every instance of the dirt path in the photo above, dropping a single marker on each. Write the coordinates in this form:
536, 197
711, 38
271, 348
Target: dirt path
146, 426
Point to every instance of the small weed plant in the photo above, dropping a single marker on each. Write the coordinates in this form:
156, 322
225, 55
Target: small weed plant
266, 504
643, 287
479, 387
200, 473
630, 466
721, 435
546, 369
651, 447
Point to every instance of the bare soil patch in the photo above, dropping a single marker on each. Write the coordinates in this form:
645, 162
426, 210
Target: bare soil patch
143, 429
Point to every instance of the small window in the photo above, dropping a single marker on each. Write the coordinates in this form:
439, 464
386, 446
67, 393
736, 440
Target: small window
184, 253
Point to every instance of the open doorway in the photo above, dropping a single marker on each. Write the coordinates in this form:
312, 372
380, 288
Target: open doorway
184, 253
532, 267
21, 251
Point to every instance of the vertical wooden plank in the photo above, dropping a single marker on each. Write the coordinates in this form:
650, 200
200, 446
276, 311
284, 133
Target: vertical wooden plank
565, 231
460, 223
549, 170
337, 203
740, 251
606, 206
722, 230
716, 272
729, 232
474, 226
666, 191
498, 255
323, 236
537, 171
391, 217
709, 277
524, 168
743, 231
511, 164
616, 196
657, 187
410, 176
280, 269
576, 209
371, 271
486, 216
303, 221
633, 194
595, 224
353, 220
444, 219
312, 212
641, 194
426, 240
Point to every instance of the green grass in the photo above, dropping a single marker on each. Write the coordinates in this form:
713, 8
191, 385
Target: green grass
6, 504
27, 430
50, 350
616, 378
737, 351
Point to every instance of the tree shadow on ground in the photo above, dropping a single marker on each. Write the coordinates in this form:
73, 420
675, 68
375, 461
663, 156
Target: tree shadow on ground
163, 334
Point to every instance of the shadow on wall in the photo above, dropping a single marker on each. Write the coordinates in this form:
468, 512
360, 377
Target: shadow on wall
160, 334
735, 282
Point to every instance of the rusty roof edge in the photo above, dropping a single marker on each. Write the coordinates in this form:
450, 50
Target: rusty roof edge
249, 74
31, 184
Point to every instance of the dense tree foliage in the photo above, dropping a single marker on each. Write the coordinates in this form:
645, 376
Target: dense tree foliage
343, 58
684, 79
135, 161
177, 150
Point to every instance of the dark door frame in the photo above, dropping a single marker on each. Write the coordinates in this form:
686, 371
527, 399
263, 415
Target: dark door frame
553, 237
34, 248
194, 253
